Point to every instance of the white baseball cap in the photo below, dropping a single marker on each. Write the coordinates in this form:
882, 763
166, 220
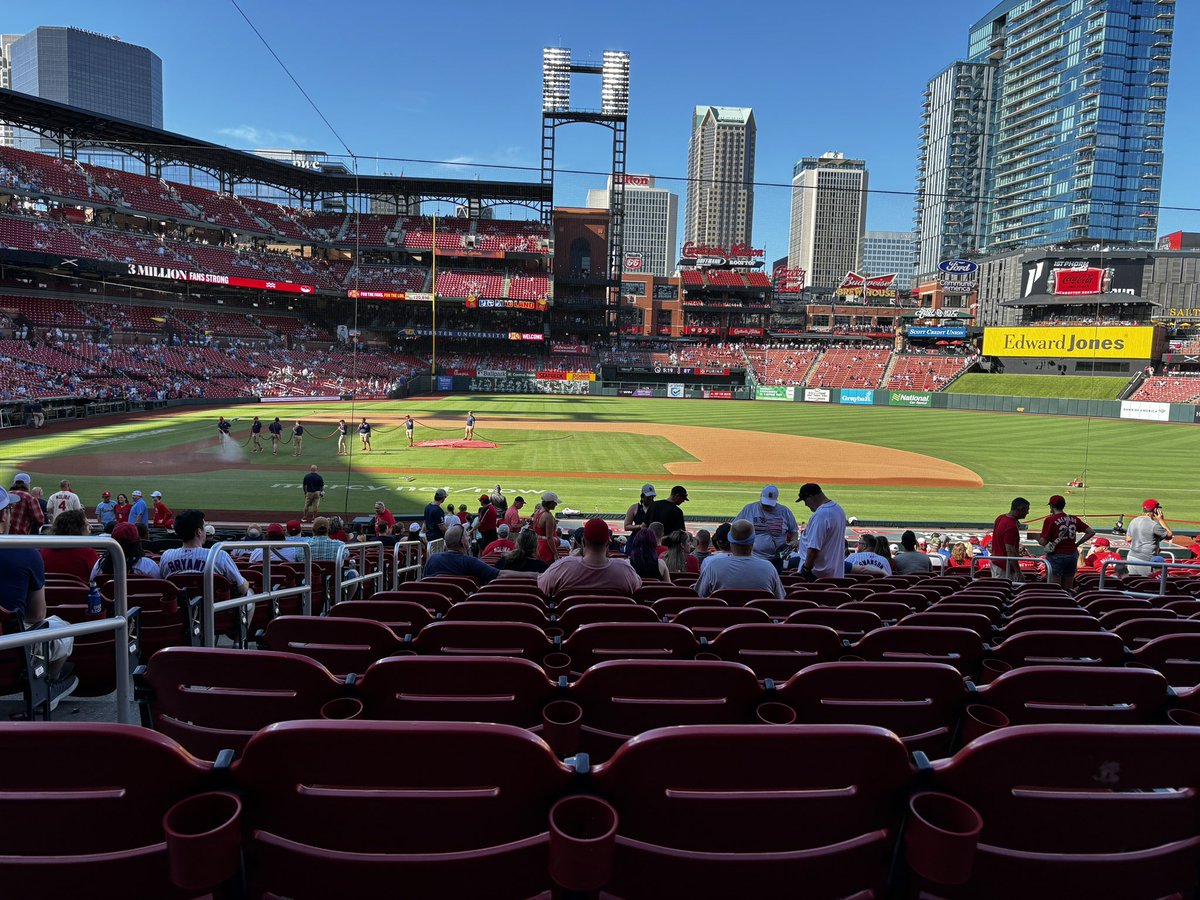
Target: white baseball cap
648, 490
156, 494
550, 497
5, 498
21, 476
414, 528
136, 494
770, 495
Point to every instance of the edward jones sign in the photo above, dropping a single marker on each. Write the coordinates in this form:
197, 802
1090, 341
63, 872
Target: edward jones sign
1083, 342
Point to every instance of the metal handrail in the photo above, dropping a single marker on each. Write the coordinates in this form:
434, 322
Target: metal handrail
1162, 575
119, 623
412, 551
210, 606
340, 581
1017, 559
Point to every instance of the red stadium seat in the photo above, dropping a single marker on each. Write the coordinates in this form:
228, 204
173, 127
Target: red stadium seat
850, 624
404, 617
592, 613
709, 621
777, 651
958, 647
596, 643
497, 611
343, 646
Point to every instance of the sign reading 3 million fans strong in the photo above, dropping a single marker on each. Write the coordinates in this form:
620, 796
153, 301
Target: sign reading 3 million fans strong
1084, 342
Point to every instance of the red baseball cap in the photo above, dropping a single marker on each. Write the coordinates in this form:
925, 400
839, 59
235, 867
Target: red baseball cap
1057, 500
126, 534
1101, 542
106, 494
294, 527
596, 531
275, 530
1150, 505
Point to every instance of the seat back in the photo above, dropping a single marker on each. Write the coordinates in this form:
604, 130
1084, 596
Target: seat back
1060, 648
1177, 656
436, 602
402, 616
958, 647
602, 641
342, 645
1080, 810
709, 621
777, 651
721, 811
213, 699
976, 622
497, 611
456, 689
1138, 631
667, 607
1061, 695
850, 624
483, 639
918, 701
591, 613
465, 805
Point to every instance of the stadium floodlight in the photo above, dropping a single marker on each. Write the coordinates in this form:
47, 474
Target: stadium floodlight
556, 79
614, 83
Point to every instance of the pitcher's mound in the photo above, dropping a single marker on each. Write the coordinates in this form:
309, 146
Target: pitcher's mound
459, 444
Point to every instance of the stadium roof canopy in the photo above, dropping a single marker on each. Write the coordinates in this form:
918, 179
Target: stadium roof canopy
76, 128
1109, 299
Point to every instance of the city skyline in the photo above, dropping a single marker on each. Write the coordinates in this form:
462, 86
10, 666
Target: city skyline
868, 117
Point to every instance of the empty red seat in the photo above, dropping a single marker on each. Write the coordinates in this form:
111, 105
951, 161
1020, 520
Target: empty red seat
709, 621
592, 613
1177, 656
599, 642
850, 624
214, 699
404, 617
341, 645
666, 607
918, 701
755, 811
1136, 632
958, 647
483, 639
777, 651
497, 611
1060, 648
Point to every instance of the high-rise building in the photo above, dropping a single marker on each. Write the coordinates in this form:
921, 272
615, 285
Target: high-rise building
1073, 118
6, 41
951, 204
888, 252
88, 70
651, 214
720, 194
829, 217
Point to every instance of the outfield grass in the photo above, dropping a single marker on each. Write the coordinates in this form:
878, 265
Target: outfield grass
1014, 454
1071, 387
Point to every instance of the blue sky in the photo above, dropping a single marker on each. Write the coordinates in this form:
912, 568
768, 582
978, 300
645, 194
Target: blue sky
462, 83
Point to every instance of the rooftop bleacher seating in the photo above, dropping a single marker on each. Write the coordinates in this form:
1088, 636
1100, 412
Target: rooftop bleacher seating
850, 368
41, 174
781, 366
285, 221
1169, 389
470, 284
220, 209
529, 287
40, 236
137, 193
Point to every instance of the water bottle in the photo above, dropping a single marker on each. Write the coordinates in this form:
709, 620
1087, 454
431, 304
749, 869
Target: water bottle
94, 602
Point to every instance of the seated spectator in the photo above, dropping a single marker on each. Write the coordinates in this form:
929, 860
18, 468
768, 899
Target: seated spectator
678, 556
74, 561
501, 543
960, 556
910, 560
704, 548
192, 557
660, 533
136, 562
456, 560
337, 530
276, 532
1102, 550
253, 534
644, 557
866, 561
740, 568
720, 542
594, 570
523, 558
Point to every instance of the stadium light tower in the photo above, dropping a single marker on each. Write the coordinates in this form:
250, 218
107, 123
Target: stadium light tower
557, 68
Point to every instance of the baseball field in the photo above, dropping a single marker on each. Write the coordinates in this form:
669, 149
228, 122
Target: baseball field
922, 466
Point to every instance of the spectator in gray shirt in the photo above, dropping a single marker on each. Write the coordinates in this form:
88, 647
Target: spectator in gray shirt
740, 569
1146, 533
910, 560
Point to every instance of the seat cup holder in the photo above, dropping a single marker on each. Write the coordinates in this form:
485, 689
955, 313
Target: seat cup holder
980, 719
343, 708
991, 669
1183, 717
204, 840
562, 721
774, 713
941, 837
583, 836
556, 664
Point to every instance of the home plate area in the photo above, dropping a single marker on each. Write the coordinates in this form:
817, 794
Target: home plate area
459, 444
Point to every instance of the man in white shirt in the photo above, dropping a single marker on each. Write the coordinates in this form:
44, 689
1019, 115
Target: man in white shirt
774, 526
193, 555
823, 544
866, 561
61, 501
741, 568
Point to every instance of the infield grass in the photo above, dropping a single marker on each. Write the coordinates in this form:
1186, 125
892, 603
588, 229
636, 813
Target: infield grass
1014, 454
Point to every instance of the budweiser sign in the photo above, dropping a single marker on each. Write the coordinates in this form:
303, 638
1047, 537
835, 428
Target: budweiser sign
855, 285
692, 250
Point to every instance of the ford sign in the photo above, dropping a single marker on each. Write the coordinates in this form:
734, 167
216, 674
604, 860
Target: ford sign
958, 266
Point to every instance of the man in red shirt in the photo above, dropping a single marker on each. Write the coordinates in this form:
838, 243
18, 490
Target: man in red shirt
163, 517
26, 513
487, 521
1061, 536
384, 520
1006, 540
501, 544
1101, 550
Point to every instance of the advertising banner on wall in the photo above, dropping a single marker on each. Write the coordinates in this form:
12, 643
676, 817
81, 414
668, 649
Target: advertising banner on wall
857, 396
788, 279
948, 333
1083, 276
910, 398
774, 392
855, 285
728, 395
1084, 342
1141, 409
445, 382
675, 391
816, 395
